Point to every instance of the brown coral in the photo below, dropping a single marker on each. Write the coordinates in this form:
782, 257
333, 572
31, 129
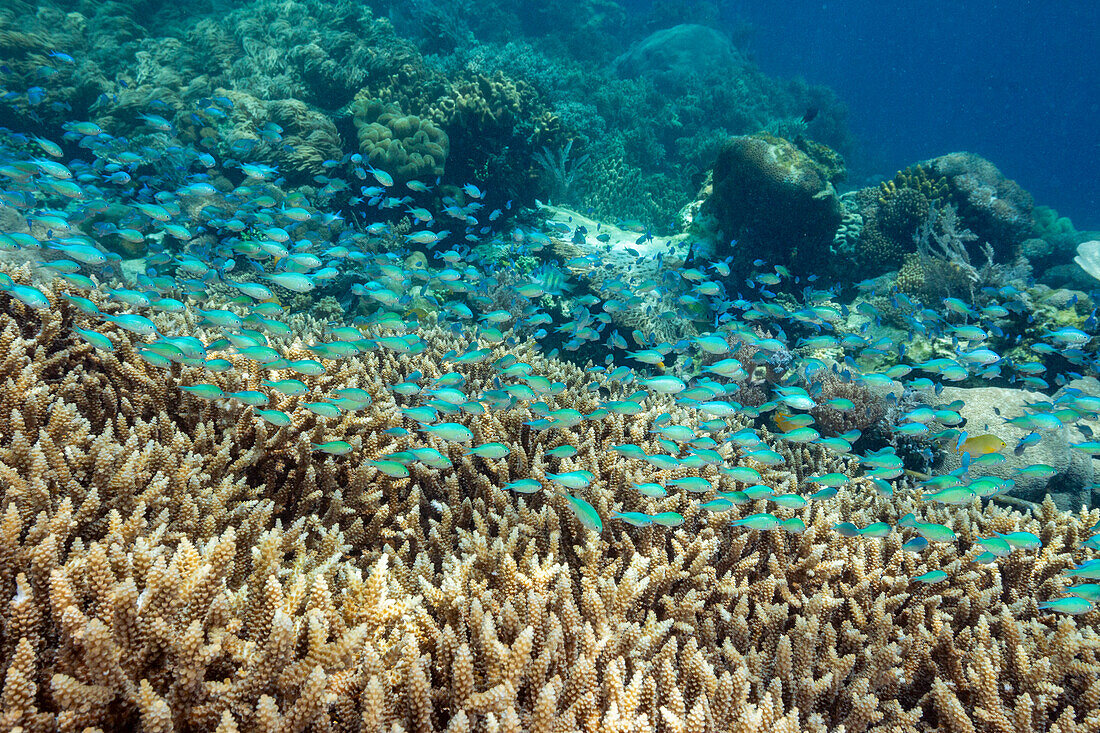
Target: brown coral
177, 564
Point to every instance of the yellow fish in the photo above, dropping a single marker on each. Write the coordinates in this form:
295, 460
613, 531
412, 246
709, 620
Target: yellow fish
980, 445
786, 421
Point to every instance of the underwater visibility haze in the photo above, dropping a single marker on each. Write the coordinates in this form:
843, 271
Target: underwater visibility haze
440, 366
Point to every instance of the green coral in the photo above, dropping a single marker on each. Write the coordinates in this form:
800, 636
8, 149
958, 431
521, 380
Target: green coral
1049, 225
618, 190
405, 146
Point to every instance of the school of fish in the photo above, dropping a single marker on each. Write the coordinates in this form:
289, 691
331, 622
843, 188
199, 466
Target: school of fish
229, 256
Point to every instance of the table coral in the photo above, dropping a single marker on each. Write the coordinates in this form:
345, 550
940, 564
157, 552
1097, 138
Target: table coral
180, 565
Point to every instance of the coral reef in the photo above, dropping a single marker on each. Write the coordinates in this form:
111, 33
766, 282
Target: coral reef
179, 564
777, 200
672, 56
945, 258
992, 206
286, 133
891, 215
993, 210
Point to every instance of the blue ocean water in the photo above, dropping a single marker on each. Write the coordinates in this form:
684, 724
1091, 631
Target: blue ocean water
1015, 81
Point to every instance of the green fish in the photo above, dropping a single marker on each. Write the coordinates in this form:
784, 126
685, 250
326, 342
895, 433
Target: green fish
140, 325
668, 519
1072, 605
956, 496
663, 462
585, 513
450, 431
29, 296
222, 318
996, 546
95, 338
346, 404
490, 450
878, 529
829, 479
262, 354
744, 474
759, 491
934, 532
932, 576
794, 525
1037, 470
431, 457
667, 384
204, 391
294, 281
654, 491
524, 486
390, 468
1089, 569
790, 501
250, 397
766, 456
679, 433
83, 304
307, 367
288, 387
847, 529
1022, 540
277, 418
78, 281
564, 451
800, 435
694, 484
322, 409
637, 519
572, 480
757, 521
420, 414
154, 359
836, 445
1088, 591
717, 505
333, 447
353, 393
218, 364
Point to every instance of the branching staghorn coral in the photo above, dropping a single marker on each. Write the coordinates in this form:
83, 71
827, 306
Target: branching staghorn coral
175, 564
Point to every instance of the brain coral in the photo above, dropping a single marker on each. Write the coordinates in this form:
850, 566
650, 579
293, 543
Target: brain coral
169, 563
775, 197
406, 146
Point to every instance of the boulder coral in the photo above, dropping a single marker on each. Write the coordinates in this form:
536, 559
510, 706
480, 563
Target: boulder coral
405, 146
777, 201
